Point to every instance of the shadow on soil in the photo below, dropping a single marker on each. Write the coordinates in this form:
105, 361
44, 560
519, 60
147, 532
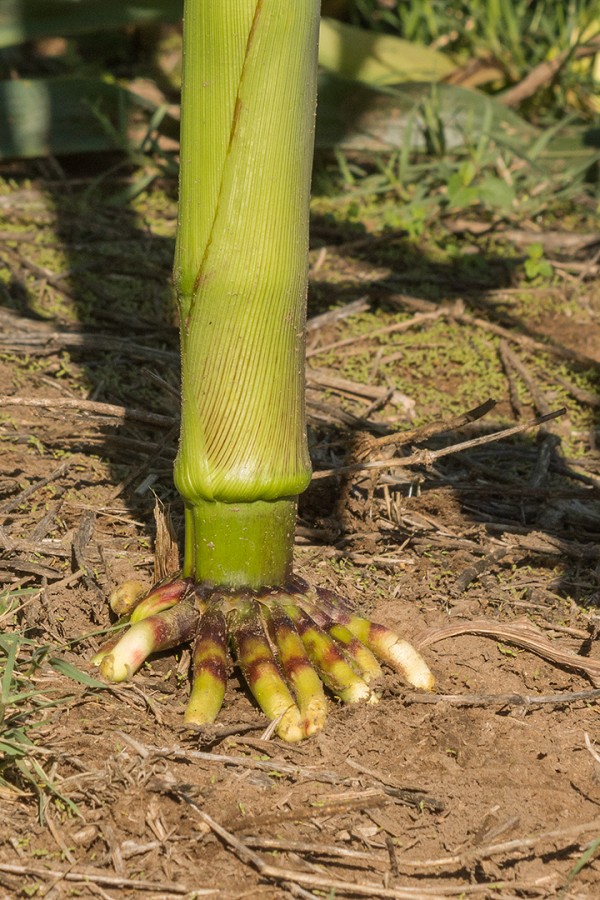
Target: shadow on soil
101, 296
112, 270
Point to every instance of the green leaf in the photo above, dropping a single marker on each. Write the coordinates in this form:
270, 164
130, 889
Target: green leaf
62, 115
359, 117
468, 171
535, 251
376, 58
461, 191
65, 668
10, 645
460, 196
14, 742
59, 116
536, 266
496, 193
15, 699
355, 116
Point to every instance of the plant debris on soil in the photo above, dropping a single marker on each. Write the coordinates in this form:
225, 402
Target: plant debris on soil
488, 559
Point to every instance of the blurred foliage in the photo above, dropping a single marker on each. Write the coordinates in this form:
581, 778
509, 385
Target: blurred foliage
418, 96
510, 36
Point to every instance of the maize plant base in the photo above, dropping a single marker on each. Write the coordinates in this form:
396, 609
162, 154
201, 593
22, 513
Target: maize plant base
289, 643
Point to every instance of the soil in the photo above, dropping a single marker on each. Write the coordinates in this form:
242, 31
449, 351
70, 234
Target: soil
489, 786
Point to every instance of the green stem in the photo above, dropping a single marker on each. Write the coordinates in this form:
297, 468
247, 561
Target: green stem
248, 109
240, 544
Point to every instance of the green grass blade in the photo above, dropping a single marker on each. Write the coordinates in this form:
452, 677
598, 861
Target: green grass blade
579, 865
70, 671
10, 645
547, 136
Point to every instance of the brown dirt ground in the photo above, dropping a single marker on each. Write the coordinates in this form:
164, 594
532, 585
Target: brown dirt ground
476, 790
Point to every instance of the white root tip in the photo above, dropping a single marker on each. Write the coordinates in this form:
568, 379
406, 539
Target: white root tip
403, 657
